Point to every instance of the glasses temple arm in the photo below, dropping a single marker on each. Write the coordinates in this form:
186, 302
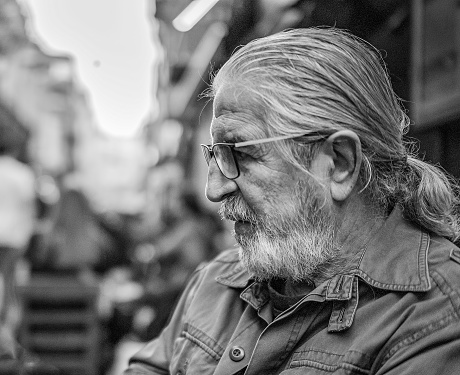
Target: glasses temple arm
274, 139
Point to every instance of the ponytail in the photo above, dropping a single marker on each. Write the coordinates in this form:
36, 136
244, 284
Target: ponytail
427, 195
433, 199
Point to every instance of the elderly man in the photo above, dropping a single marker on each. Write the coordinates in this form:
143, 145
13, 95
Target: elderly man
345, 263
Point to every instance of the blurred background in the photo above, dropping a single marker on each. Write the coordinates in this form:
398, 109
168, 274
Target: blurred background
102, 208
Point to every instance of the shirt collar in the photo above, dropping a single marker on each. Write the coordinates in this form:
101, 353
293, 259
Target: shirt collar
237, 276
396, 258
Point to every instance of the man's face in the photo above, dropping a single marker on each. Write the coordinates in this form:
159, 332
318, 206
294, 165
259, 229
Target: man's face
282, 216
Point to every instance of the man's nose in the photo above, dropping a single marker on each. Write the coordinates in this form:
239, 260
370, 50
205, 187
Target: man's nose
218, 186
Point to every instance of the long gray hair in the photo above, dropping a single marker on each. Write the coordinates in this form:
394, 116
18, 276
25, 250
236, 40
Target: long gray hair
325, 80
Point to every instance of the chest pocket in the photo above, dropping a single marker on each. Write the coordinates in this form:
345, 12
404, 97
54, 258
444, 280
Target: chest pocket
323, 362
195, 352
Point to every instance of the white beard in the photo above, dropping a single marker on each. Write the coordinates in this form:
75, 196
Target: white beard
296, 244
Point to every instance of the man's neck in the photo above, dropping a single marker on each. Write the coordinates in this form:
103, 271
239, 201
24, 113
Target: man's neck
357, 224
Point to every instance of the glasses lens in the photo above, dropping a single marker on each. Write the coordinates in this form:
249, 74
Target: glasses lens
226, 161
206, 153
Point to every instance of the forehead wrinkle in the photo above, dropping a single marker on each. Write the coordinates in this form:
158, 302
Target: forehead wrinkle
235, 116
236, 126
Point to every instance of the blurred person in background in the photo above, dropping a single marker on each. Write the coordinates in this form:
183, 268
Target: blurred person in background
74, 237
18, 216
346, 261
17, 224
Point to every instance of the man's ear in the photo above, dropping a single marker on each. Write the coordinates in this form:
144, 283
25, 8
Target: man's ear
344, 148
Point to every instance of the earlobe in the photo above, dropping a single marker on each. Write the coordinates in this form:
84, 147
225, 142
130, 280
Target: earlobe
344, 147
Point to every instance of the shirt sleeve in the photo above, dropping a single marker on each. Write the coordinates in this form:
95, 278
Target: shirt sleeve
155, 356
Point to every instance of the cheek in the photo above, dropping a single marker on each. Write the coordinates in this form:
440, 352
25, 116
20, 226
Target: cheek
267, 198
270, 188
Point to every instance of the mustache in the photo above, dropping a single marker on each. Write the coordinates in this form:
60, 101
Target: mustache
234, 208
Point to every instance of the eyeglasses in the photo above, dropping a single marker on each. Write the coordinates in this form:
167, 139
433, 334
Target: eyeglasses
225, 157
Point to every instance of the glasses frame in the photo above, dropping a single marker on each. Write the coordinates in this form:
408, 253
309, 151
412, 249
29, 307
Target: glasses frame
209, 149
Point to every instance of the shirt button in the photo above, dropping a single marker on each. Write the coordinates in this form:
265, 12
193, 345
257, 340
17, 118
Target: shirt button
236, 353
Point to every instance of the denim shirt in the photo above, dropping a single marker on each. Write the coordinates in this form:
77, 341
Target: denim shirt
397, 312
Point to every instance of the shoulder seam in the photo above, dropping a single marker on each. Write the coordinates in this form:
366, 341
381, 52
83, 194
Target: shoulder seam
415, 336
442, 284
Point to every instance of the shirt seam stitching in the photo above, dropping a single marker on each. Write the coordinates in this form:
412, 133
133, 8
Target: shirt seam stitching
442, 284
413, 337
188, 333
333, 367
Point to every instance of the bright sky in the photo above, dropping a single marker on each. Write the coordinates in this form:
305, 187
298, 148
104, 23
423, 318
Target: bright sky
111, 41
